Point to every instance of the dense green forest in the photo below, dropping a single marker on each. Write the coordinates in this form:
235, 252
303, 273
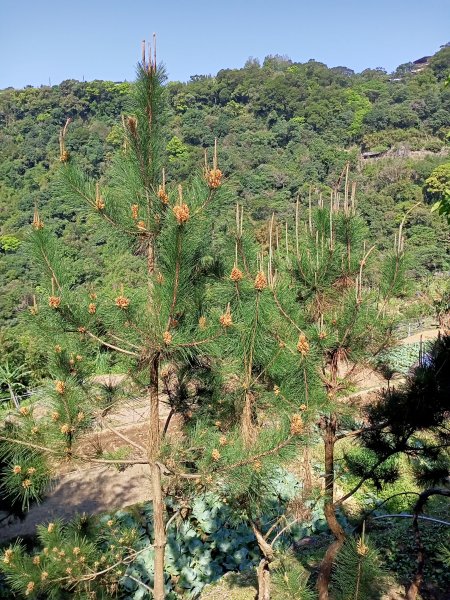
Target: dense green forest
283, 128
229, 259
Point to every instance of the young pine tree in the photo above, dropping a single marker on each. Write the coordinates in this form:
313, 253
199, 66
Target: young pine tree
162, 315
331, 320
149, 317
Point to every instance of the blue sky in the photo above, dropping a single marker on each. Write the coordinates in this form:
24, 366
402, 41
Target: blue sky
48, 40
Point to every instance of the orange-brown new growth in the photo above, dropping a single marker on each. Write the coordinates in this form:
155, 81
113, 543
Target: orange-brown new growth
132, 125
214, 178
215, 455
260, 281
30, 588
60, 387
226, 320
181, 212
37, 221
122, 302
236, 274
296, 424
303, 345
99, 202
54, 301
163, 195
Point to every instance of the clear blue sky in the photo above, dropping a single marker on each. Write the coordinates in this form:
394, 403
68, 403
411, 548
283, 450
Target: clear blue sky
42, 40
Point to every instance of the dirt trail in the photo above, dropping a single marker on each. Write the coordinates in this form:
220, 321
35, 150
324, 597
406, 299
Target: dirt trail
93, 488
73, 493
98, 489
428, 334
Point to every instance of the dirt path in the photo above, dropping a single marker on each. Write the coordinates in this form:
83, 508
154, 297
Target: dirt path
428, 334
91, 490
98, 489
94, 489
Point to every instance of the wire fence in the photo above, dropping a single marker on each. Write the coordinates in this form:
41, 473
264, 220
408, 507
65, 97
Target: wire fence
408, 328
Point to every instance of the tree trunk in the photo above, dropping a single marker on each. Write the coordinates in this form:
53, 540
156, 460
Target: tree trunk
323, 581
416, 583
159, 532
14, 400
263, 573
248, 424
154, 443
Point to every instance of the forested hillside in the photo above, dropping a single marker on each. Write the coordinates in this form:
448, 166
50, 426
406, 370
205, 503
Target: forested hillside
284, 130
203, 372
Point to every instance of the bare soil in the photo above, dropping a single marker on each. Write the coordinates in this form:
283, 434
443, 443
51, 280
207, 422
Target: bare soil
94, 489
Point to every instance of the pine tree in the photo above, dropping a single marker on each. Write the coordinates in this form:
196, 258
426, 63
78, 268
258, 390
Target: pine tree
150, 318
171, 314
357, 574
329, 318
412, 421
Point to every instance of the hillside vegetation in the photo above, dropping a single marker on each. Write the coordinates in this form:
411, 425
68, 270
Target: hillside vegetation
230, 325
284, 130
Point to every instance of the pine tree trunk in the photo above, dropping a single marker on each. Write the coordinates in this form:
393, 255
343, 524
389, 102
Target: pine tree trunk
154, 443
159, 533
248, 424
14, 400
414, 588
323, 581
263, 573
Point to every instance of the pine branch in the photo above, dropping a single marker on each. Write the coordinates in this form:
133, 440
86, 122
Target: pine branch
28, 445
111, 346
283, 312
125, 438
177, 277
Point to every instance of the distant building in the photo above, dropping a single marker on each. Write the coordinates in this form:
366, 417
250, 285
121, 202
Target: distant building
420, 64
